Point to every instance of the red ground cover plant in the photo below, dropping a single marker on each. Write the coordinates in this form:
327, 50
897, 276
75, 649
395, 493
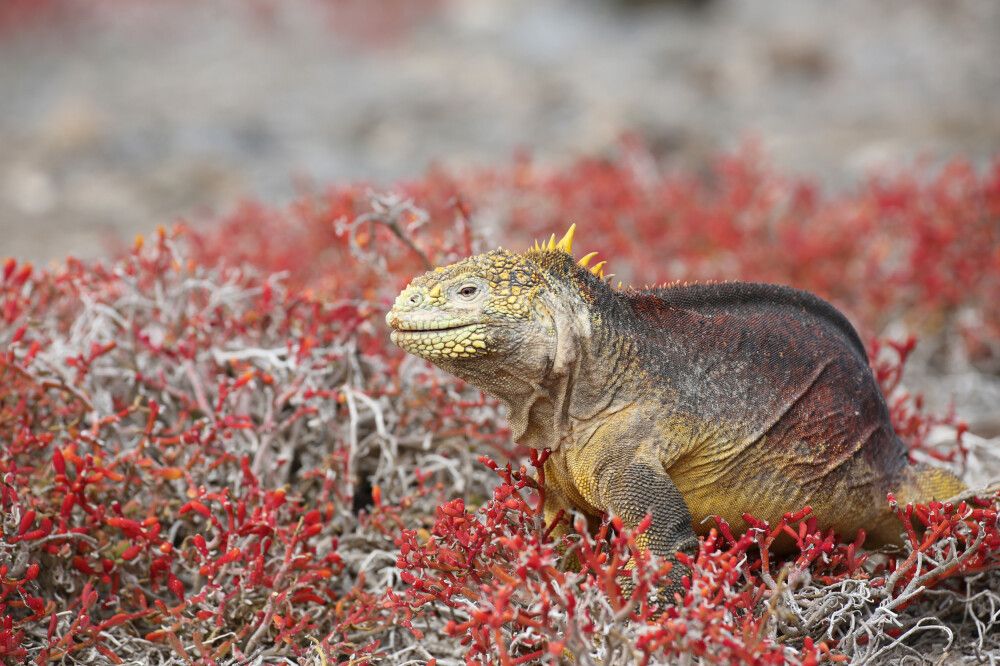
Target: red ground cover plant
364, 24
17, 14
211, 452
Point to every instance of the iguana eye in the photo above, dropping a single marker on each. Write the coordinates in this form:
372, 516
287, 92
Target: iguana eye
468, 291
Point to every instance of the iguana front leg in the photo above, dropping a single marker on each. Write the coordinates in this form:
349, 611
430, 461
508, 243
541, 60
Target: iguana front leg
644, 487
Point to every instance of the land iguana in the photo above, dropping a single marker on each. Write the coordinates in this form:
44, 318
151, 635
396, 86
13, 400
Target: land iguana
684, 401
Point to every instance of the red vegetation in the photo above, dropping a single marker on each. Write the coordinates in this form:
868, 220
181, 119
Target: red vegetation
210, 448
356, 20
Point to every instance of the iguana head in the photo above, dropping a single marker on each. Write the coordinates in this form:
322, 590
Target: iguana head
497, 312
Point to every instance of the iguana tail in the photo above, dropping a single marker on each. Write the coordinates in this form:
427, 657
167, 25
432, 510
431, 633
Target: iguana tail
917, 483
925, 483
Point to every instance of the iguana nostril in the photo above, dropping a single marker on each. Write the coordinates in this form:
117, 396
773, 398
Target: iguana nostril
415, 298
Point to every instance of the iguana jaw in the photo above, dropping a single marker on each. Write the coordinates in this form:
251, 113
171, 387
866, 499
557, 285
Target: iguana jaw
438, 339
417, 324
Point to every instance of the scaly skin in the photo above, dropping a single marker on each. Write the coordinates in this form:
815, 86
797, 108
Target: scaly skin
686, 401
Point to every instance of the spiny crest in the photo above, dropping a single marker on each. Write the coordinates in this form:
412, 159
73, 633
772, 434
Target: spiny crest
566, 245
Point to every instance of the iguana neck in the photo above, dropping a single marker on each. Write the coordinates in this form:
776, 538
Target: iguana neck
589, 363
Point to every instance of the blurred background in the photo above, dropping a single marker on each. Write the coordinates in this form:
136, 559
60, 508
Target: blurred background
117, 116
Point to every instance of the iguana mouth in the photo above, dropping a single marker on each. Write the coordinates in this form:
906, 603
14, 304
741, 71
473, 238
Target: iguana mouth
421, 326
439, 340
